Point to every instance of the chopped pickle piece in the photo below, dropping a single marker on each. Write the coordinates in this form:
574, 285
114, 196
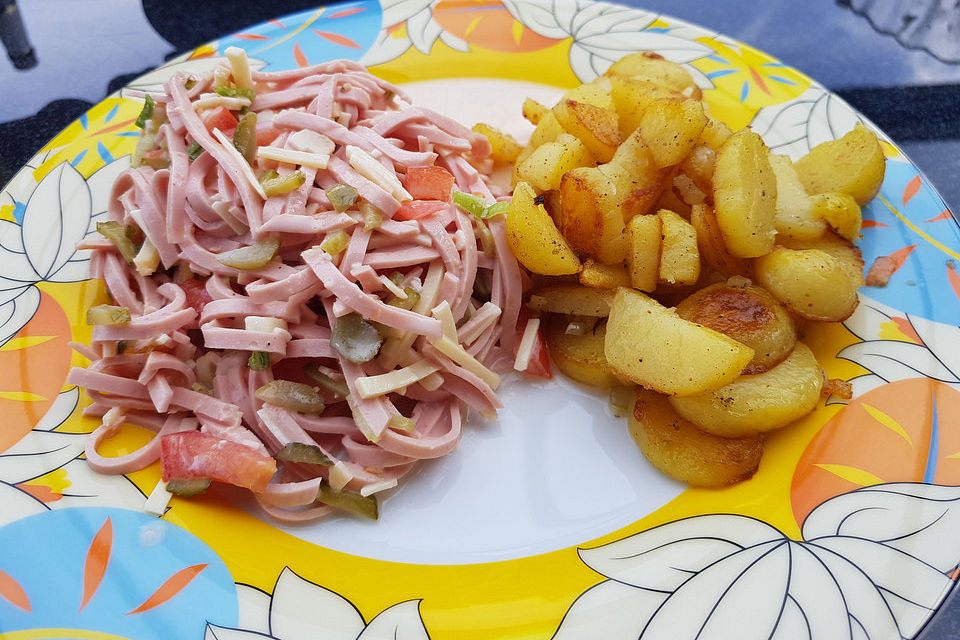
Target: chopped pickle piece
155, 162
266, 176
283, 184
107, 314
233, 92
336, 387
245, 136
335, 242
294, 396
254, 256
146, 112
341, 196
372, 217
259, 360
350, 501
355, 339
186, 487
302, 452
194, 150
413, 297
119, 235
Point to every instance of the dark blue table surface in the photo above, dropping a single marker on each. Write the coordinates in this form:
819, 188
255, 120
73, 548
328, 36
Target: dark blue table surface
897, 61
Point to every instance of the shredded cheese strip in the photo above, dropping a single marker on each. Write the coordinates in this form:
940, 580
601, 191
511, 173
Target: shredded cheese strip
525, 349
291, 156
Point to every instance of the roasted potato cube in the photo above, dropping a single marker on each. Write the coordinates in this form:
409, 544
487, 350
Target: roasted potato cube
646, 65
853, 164
534, 238
580, 356
604, 276
504, 147
710, 243
595, 126
590, 215
636, 175
669, 199
596, 93
751, 405
748, 314
671, 128
632, 97
547, 130
699, 165
687, 190
745, 195
652, 346
796, 217
677, 448
715, 134
533, 111
845, 252
572, 300
811, 282
525, 153
643, 260
548, 162
840, 211
679, 256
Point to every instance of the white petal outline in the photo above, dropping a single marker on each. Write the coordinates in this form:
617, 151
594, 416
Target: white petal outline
90, 489
63, 406
423, 31
56, 218
214, 632
17, 312
610, 609
17, 504
154, 80
395, 12
894, 360
254, 609
298, 604
101, 183
940, 339
401, 621
816, 592
38, 453
793, 623
868, 319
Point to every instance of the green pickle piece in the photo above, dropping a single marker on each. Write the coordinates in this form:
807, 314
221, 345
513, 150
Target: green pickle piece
351, 501
259, 360
283, 184
294, 396
355, 339
336, 387
119, 235
335, 243
341, 196
302, 452
234, 92
146, 113
413, 297
107, 314
254, 256
245, 137
187, 487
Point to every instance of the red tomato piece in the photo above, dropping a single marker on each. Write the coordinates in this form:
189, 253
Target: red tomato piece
219, 118
539, 365
191, 454
266, 134
429, 183
197, 295
416, 209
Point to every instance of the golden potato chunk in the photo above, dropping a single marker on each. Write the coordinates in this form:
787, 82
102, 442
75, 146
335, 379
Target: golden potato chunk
710, 243
844, 251
533, 111
572, 300
811, 282
590, 215
679, 256
853, 164
652, 346
546, 130
534, 238
652, 67
632, 97
580, 356
755, 404
604, 276
677, 448
595, 126
796, 217
643, 260
504, 147
714, 134
637, 177
699, 166
748, 314
840, 211
745, 195
671, 128
596, 93
545, 166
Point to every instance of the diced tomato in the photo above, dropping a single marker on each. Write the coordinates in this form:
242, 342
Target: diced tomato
197, 295
416, 209
539, 365
429, 183
266, 134
191, 454
219, 118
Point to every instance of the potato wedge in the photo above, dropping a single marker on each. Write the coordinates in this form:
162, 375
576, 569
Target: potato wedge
796, 217
533, 111
572, 300
591, 215
643, 260
652, 346
715, 134
603, 276
504, 147
580, 357
748, 314
677, 448
751, 405
545, 166
546, 130
811, 282
595, 126
679, 256
652, 67
841, 212
596, 93
710, 243
534, 238
637, 177
671, 129
844, 251
631, 97
853, 164
745, 195
699, 166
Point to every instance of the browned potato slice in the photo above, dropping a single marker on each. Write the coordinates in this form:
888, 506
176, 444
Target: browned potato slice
548, 162
504, 147
846, 253
652, 346
596, 93
699, 167
534, 238
653, 67
714, 134
687, 190
745, 195
671, 128
632, 97
595, 126
853, 165
796, 217
636, 175
646, 238
580, 356
755, 404
670, 200
840, 211
677, 448
604, 276
525, 153
546, 130
710, 243
590, 215
533, 111
811, 282
679, 256
748, 314
572, 300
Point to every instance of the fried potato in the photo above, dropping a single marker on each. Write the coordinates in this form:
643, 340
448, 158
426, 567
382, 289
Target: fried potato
710, 243
504, 147
844, 251
754, 404
853, 164
653, 67
636, 175
547, 130
671, 128
631, 97
604, 276
546, 165
533, 111
745, 195
652, 346
699, 166
534, 238
572, 300
595, 126
591, 215
643, 260
715, 134
596, 93
580, 356
677, 448
748, 314
840, 211
679, 256
811, 282
796, 217
687, 190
